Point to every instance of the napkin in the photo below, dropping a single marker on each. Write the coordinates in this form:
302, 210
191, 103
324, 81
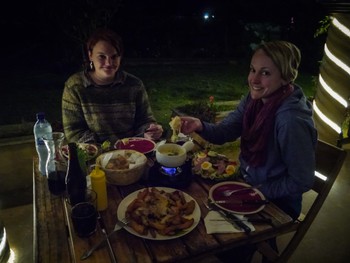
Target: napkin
216, 224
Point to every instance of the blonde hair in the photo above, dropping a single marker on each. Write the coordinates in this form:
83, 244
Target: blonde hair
285, 55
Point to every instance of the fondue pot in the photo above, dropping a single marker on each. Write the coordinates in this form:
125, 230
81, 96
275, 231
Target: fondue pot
173, 155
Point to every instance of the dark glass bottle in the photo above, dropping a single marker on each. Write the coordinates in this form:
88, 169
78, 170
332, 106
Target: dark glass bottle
75, 177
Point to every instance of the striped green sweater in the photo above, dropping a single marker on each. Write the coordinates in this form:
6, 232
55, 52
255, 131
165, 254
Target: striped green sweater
92, 113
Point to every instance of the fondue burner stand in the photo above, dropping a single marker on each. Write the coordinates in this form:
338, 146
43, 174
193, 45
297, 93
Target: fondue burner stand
177, 177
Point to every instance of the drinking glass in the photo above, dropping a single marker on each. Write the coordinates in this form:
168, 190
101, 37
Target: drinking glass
84, 215
56, 165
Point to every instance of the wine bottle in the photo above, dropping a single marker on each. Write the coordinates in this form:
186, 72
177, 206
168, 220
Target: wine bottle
75, 177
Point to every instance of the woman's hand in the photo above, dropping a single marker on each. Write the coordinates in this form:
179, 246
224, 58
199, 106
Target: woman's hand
190, 124
154, 132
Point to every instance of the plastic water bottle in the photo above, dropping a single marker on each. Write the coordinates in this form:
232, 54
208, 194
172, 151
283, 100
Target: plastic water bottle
42, 128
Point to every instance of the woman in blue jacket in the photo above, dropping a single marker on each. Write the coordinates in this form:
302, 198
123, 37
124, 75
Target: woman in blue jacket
274, 123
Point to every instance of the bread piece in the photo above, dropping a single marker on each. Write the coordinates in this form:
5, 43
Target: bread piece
119, 163
175, 125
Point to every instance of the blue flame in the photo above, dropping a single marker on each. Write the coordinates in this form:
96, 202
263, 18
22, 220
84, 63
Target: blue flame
169, 170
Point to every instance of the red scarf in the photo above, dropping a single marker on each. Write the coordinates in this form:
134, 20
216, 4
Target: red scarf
258, 123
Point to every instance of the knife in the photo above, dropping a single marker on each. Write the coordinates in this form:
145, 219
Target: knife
237, 220
251, 220
119, 225
241, 202
104, 231
230, 217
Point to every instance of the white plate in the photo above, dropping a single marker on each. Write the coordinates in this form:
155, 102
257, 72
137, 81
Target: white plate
139, 144
218, 162
196, 215
215, 194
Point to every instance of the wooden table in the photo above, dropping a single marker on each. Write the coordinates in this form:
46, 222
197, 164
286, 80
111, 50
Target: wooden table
55, 241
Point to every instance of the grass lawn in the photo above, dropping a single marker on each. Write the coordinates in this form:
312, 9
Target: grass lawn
172, 86
168, 86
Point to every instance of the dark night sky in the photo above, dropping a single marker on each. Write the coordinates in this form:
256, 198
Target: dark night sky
41, 13
23, 13
38, 30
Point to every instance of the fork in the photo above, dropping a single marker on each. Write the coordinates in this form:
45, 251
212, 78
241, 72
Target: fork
230, 192
119, 225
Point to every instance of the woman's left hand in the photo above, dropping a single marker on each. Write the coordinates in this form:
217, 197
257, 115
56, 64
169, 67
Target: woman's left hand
154, 132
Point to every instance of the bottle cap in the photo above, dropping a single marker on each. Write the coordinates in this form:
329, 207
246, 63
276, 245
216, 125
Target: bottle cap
40, 115
97, 173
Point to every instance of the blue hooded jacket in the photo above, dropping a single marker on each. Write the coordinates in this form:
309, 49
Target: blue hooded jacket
290, 165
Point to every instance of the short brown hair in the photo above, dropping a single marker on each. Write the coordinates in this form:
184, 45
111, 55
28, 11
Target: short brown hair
285, 55
106, 35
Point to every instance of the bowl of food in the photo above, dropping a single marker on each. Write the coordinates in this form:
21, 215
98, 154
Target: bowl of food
172, 154
122, 167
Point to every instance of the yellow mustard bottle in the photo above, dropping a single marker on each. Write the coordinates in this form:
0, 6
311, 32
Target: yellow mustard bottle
98, 184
